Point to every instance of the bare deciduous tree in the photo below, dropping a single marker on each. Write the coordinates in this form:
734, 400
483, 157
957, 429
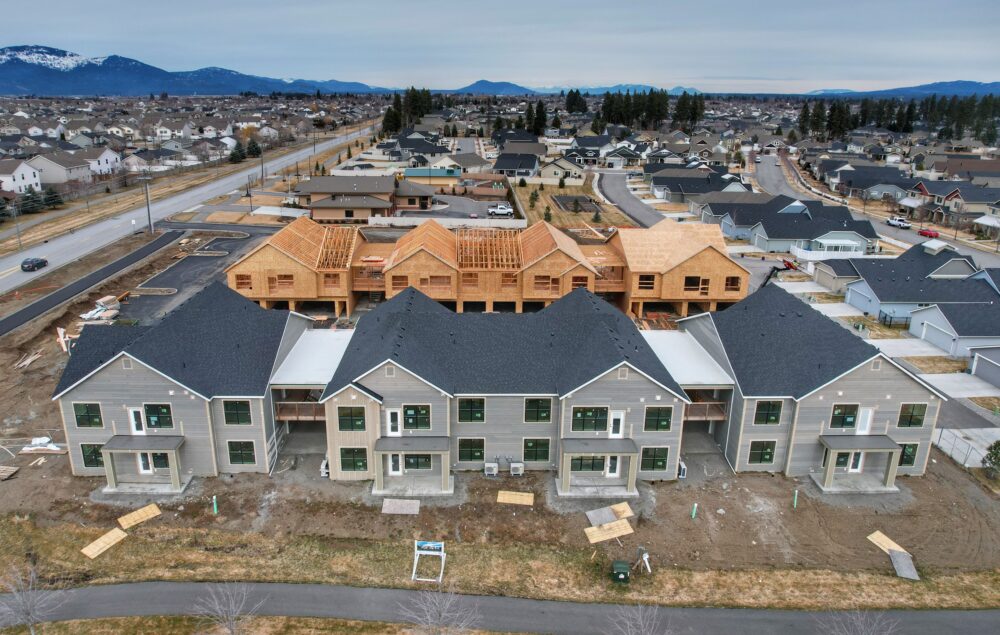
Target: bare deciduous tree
858, 623
637, 619
440, 612
228, 607
25, 603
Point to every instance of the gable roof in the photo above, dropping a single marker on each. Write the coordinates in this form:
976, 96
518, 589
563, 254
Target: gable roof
319, 247
905, 278
779, 347
973, 320
541, 239
429, 236
667, 244
217, 343
555, 351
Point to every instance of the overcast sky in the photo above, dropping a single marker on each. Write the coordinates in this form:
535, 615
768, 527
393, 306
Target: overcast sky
725, 45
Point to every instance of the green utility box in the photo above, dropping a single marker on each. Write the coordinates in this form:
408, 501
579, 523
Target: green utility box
620, 572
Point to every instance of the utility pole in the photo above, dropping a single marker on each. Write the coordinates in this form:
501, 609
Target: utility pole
262, 168
17, 225
149, 212
250, 193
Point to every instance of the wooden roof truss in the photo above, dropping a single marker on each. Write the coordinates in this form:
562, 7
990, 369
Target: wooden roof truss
489, 249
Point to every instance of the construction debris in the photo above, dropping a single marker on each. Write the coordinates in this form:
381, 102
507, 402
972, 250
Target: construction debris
609, 514
27, 359
400, 506
104, 543
107, 308
42, 445
7, 471
901, 559
140, 515
516, 498
609, 531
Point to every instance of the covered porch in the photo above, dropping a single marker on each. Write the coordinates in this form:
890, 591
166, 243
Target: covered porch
150, 453
845, 456
400, 466
617, 458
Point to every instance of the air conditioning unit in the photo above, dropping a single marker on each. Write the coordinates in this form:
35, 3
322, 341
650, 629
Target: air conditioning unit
682, 471
491, 469
517, 469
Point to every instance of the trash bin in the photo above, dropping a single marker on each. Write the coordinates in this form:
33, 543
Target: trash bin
620, 571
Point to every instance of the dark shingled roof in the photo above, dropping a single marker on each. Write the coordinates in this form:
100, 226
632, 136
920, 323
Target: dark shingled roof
555, 351
218, 343
904, 278
973, 320
779, 347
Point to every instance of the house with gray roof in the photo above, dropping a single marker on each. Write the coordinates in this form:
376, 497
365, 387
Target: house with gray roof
957, 329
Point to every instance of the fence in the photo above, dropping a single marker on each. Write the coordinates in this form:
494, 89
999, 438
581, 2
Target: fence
413, 221
951, 443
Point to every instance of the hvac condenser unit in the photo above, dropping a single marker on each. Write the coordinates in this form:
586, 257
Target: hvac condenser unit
517, 469
491, 469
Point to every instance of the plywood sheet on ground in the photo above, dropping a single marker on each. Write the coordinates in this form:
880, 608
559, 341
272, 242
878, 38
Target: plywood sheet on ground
402, 506
610, 514
902, 562
516, 498
884, 543
104, 543
7, 471
608, 531
140, 515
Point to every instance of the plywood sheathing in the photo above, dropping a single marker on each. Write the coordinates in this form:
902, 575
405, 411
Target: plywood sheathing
516, 498
104, 543
140, 515
609, 531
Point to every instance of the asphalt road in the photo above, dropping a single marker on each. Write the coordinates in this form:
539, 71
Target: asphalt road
772, 179
68, 248
615, 188
465, 145
54, 299
496, 613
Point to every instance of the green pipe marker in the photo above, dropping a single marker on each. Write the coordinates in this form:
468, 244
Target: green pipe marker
795, 500
694, 511
215, 506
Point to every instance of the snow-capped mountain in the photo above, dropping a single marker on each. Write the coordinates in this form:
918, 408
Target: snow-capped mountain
47, 57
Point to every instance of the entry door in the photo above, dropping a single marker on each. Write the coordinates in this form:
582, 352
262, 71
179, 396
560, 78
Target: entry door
393, 423
865, 421
857, 462
395, 464
136, 422
145, 463
612, 467
617, 423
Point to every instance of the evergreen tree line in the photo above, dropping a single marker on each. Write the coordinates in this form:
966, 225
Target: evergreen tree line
575, 102
407, 110
688, 111
647, 110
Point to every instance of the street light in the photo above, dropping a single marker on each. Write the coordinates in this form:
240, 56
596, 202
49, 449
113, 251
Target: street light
149, 213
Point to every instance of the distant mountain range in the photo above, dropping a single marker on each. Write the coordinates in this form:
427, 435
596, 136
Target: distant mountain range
46, 71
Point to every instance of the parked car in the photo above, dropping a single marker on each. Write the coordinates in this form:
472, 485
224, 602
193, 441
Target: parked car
929, 233
33, 264
756, 159
634, 175
898, 221
473, 215
501, 209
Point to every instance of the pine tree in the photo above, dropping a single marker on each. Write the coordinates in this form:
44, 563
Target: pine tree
30, 202
547, 216
556, 121
562, 182
238, 154
597, 216
817, 120
253, 149
804, 119
529, 118
51, 198
541, 117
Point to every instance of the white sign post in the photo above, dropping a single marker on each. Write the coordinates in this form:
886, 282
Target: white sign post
428, 548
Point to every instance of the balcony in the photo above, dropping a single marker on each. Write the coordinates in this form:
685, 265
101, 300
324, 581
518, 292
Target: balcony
299, 411
609, 284
706, 411
368, 283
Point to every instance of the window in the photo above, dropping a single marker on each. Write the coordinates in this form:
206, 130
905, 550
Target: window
244, 281
351, 418
508, 280
241, 453
692, 283
400, 282
586, 464
470, 280
439, 281
353, 460
536, 450
658, 419
844, 416
578, 282
237, 413
843, 459
160, 460
876, 364
390, 371
768, 413
92, 456
911, 415
654, 459
537, 410
761, 452
411, 201
908, 457
417, 461
348, 213
471, 449
158, 416
126, 363
285, 281
471, 410
733, 283
547, 284
647, 282
623, 372
416, 417
88, 415
331, 279
590, 419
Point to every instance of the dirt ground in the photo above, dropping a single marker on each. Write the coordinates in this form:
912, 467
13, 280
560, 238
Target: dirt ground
877, 330
990, 403
932, 364
610, 215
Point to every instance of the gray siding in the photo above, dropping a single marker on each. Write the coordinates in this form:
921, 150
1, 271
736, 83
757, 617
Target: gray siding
504, 431
117, 389
987, 366
955, 268
404, 388
779, 433
225, 433
337, 439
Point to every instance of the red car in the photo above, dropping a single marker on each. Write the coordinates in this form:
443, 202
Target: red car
929, 233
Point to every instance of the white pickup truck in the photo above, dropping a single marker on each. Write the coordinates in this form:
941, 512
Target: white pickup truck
501, 209
898, 221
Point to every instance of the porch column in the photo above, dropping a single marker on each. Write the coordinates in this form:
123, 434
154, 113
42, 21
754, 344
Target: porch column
379, 469
445, 469
109, 469
890, 469
518, 306
458, 306
336, 308
292, 305
684, 309
175, 471
633, 470
489, 305
564, 474
831, 463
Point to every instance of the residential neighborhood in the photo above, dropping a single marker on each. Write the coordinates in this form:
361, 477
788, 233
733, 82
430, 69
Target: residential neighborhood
603, 345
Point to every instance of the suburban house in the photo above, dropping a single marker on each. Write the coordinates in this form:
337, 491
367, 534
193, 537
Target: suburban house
61, 167
476, 270
468, 162
516, 165
957, 329
102, 161
352, 199
986, 364
678, 185
560, 168
842, 413
17, 176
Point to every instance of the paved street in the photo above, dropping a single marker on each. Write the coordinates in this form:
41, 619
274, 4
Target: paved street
615, 188
70, 247
497, 613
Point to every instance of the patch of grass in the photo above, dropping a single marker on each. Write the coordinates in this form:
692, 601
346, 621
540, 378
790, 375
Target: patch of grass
931, 364
611, 216
990, 403
556, 572
992, 484
192, 625
877, 330
826, 298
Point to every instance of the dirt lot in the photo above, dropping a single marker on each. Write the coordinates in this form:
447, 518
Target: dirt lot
194, 625
877, 330
931, 364
610, 215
